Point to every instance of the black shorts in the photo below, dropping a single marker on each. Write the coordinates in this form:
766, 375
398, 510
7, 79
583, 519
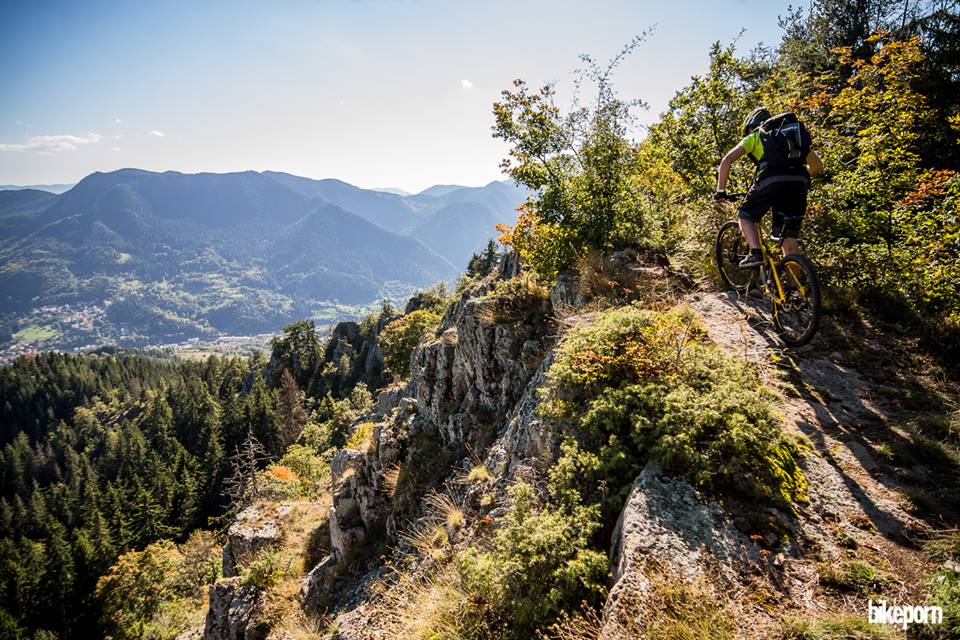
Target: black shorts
786, 195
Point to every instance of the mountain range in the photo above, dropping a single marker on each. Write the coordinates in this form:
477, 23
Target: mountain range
159, 257
52, 188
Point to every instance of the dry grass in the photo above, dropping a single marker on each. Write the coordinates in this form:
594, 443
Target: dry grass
672, 609
944, 545
854, 576
835, 628
512, 300
445, 509
427, 606
431, 535
349, 473
478, 474
304, 543
425, 600
389, 479
601, 283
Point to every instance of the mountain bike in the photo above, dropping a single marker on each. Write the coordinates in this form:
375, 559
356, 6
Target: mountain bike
788, 282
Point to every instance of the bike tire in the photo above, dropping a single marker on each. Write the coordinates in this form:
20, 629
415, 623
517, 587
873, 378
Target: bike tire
789, 335
731, 247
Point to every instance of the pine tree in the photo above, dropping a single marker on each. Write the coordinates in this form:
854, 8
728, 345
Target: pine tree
261, 417
157, 423
58, 577
148, 517
293, 417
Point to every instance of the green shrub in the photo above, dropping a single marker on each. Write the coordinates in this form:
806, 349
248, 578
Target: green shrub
399, 338
362, 436
202, 559
945, 592
267, 569
638, 385
317, 435
172, 618
136, 586
546, 247
312, 468
328, 425
538, 563
854, 576
436, 298
580, 167
158, 592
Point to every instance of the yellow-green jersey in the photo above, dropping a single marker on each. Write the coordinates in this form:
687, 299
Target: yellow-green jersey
753, 146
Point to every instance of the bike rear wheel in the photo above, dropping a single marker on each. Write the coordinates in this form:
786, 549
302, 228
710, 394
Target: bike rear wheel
731, 248
797, 317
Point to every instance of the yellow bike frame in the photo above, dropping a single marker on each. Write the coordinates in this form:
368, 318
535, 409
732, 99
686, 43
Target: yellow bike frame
778, 297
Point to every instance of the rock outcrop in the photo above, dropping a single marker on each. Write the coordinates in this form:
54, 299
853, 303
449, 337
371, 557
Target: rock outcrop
233, 611
251, 532
667, 526
355, 354
464, 387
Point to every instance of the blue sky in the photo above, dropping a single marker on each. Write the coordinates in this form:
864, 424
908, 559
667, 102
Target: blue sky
381, 93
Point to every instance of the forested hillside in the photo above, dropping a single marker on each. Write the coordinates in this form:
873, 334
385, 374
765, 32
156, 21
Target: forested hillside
110, 452
136, 258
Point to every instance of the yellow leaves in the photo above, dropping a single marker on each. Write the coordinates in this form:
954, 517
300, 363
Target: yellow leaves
955, 125
544, 246
362, 436
506, 233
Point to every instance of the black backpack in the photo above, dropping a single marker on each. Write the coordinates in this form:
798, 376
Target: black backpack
786, 142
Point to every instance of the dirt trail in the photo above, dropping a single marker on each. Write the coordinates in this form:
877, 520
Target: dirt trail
857, 510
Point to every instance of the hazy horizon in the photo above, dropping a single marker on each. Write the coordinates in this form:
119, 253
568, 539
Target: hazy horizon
385, 188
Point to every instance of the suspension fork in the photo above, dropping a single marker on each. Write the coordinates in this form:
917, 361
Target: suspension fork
778, 296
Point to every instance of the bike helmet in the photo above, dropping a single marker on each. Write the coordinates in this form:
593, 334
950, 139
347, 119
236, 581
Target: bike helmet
757, 117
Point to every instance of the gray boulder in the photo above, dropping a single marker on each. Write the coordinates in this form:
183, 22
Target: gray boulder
667, 525
251, 532
233, 612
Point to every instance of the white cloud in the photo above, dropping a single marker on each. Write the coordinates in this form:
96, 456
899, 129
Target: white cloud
52, 144
158, 134
466, 84
118, 120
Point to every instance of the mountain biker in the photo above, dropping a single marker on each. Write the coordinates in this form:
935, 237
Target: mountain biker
781, 185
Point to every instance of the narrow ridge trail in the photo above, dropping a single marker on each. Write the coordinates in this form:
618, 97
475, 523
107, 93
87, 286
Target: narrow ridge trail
857, 509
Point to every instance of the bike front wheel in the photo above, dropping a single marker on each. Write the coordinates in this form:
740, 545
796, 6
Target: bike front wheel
797, 315
731, 248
